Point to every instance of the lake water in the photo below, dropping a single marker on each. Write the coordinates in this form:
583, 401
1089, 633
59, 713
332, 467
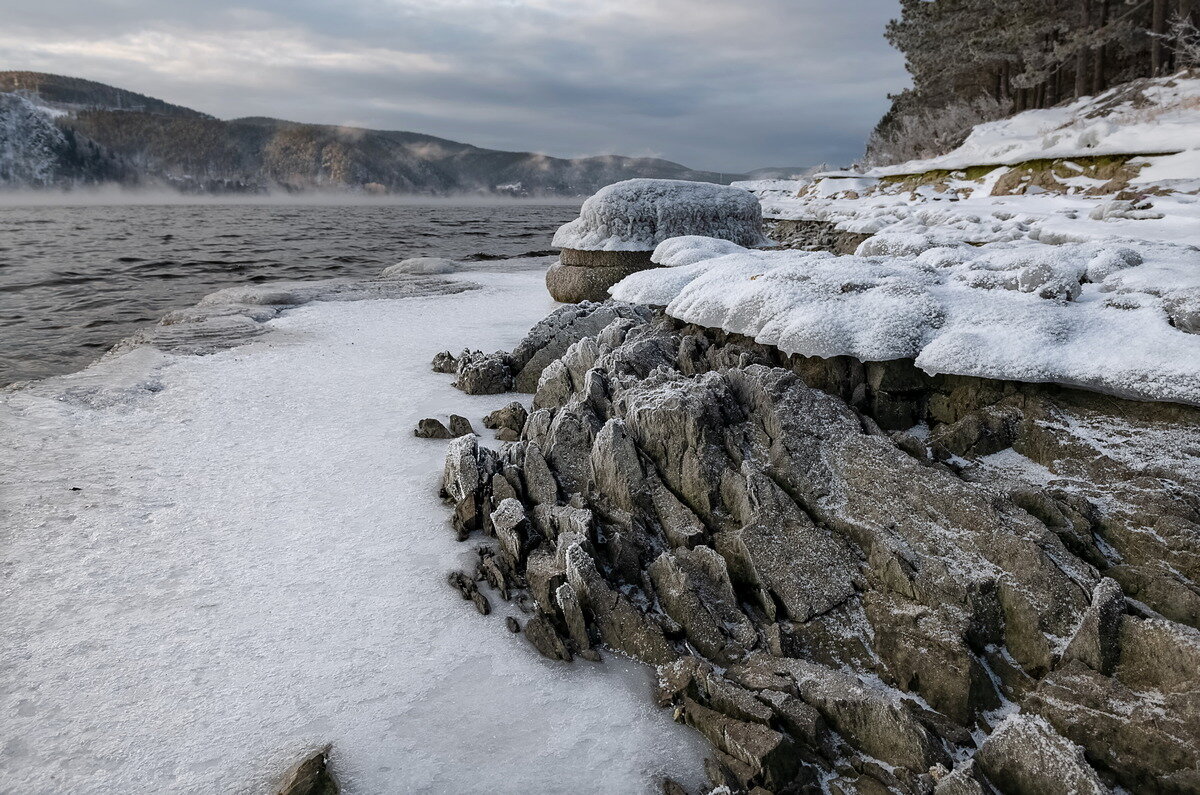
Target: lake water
74, 280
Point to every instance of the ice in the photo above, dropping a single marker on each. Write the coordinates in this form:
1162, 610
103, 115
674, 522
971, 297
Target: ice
213, 564
638, 214
1022, 312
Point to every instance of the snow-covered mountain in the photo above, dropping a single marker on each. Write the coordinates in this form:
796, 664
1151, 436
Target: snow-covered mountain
106, 134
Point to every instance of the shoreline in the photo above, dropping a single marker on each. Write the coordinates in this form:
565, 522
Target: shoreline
241, 575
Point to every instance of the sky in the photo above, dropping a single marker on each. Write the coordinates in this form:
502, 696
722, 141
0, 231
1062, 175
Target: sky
723, 85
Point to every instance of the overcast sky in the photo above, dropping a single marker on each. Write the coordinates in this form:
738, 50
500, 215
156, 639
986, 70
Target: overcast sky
726, 85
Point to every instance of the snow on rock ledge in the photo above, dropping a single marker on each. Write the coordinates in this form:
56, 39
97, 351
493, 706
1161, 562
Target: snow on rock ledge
638, 214
1091, 315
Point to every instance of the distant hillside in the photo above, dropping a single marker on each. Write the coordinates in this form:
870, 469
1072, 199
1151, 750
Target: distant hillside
98, 133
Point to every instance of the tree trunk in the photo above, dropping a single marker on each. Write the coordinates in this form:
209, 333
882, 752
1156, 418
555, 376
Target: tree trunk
1099, 54
1158, 27
1081, 56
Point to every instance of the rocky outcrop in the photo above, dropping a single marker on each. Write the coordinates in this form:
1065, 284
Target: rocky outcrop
852, 577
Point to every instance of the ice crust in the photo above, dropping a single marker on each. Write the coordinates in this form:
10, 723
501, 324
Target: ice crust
1085, 314
254, 565
638, 214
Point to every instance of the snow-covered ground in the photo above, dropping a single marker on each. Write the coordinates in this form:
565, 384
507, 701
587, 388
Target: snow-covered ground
214, 563
1087, 282
1157, 115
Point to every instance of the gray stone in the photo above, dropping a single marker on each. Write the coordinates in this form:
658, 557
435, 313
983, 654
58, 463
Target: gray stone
311, 776
573, 284
431, 428
460, 426
1026, 755
484, 374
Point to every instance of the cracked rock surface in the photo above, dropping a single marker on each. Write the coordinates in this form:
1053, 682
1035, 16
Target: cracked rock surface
996, 593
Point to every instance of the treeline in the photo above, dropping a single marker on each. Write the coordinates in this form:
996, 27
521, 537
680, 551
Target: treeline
976, 60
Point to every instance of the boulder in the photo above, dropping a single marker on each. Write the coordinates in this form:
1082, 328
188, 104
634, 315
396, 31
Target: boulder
460, 425
432, 428
310, 776
1026, 756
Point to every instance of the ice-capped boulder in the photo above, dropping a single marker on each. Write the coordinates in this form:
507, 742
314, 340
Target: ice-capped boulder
619, 227
638, 214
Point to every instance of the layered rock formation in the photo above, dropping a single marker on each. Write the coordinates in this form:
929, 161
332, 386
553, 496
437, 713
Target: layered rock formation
853, 578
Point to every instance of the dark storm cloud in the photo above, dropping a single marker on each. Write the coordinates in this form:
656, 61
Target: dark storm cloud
722, 85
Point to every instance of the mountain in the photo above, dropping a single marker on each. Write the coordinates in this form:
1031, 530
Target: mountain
66, 131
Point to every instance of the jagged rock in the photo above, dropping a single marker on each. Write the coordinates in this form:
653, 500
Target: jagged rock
465, 481
1026, 755
1096, 641
926, 650
549, 339
871, 718
311, 776
466, 587
545, 638
460, 426
693, 588
684, 490
568, 603
768, 753
444, 362
432, 428
511, 528
512, 624
483, 374
618, 621
964, 779
509, 418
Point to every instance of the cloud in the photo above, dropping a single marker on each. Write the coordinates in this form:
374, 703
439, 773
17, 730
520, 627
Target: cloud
721, 85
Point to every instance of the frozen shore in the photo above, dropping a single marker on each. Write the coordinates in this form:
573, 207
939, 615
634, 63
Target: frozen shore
216, 563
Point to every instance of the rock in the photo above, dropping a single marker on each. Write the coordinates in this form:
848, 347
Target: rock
1026, 755
508, 435
573, 284
964, 779
678, 490
1096, 641
431, 428
445, 362
460, 426
545, 638
693, 588
509, 418
311, 776
512, 528
620, 624
768, 753
483, 374
512, 624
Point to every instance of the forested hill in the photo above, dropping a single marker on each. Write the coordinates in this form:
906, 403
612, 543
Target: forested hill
973, 61
65, 131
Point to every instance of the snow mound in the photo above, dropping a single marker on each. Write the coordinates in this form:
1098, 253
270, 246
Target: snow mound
1091, 315
688, 249
638, 214
1160, 115
421, 266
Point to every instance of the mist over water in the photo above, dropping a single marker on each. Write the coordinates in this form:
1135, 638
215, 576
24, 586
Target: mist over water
81, 274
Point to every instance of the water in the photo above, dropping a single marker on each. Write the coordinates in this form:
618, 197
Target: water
74, 280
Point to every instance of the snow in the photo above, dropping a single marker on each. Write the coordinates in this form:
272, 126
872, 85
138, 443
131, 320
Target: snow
1144, 117
638, 214
1084, 314
254, 565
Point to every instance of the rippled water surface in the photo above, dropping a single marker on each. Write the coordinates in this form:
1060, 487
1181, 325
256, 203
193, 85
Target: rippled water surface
74, 280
